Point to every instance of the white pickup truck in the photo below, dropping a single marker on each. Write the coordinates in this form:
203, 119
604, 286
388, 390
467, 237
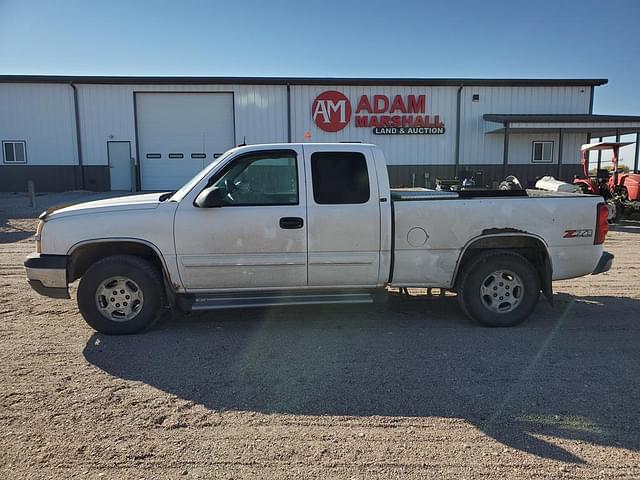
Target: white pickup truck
287, 224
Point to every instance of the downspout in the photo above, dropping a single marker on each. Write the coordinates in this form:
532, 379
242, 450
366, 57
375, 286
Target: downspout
505, 150
288, 113
78, 141
560, 153
457, 151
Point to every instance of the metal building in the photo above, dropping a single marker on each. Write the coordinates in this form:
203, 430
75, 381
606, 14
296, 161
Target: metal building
154, 133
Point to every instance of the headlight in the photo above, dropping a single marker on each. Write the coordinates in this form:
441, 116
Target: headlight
38, 236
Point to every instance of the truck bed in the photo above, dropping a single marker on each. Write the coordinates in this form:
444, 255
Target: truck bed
411, 194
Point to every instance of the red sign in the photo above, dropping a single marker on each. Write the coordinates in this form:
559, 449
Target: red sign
331, 111
385, 115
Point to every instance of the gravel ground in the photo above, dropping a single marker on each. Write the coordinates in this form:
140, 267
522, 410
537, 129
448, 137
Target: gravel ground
409, 389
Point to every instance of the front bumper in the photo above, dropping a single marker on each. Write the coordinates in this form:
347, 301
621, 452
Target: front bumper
604, 264
47, 274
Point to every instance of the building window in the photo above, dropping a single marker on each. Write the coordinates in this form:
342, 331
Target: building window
339, 178
154, 155
198, 155
542, 152
176, 155
14, 151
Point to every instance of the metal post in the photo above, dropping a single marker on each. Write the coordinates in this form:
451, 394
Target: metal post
635, 162
615, 171
560, 139
599, 157
457, 154
32, 193
505, 150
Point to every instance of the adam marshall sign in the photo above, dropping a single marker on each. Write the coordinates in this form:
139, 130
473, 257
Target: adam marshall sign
401, 115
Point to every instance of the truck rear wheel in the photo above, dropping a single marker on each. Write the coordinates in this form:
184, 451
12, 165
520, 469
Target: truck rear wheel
498, 288
121, 294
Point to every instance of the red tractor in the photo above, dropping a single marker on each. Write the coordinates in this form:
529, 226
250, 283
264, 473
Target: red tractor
620, 190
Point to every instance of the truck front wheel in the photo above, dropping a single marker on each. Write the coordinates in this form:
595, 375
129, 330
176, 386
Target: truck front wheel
498, 288
121, 294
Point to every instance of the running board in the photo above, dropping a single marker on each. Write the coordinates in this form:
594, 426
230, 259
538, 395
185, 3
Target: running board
275, 298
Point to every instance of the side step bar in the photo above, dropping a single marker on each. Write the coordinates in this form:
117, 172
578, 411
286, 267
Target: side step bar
272, 298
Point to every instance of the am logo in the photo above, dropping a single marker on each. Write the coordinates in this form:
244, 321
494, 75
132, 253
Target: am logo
331, 111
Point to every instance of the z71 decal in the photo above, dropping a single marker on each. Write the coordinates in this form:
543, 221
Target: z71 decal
577, 233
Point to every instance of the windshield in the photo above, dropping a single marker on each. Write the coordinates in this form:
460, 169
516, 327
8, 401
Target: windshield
186, 188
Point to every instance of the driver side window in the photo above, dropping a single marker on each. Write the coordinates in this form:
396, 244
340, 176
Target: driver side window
261, 180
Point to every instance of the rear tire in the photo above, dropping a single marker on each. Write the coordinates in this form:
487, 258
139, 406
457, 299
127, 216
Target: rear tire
121, 294
498, 288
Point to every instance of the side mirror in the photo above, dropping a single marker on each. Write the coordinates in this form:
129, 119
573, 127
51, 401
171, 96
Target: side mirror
210, 197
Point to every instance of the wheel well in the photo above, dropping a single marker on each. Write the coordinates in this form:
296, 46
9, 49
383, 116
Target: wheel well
531, 248
86, 255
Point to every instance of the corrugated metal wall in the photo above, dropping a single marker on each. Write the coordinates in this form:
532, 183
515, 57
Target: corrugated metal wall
43, 116
260, 113
399, 149
478, 147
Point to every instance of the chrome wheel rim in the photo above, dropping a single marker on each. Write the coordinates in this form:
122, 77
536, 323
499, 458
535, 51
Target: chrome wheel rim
502, 291
119, 299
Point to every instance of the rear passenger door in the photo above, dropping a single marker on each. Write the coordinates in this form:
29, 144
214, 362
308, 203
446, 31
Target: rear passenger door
343, 215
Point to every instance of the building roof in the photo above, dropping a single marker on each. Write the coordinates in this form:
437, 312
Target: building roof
186, 80
557, 118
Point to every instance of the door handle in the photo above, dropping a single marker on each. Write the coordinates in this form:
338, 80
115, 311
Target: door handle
290, 223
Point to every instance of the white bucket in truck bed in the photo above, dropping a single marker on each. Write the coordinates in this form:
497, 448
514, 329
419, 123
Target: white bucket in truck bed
553, 185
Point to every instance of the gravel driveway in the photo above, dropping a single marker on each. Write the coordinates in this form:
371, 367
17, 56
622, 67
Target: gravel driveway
408, 389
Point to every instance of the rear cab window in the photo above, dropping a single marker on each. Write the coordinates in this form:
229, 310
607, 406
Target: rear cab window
340, 178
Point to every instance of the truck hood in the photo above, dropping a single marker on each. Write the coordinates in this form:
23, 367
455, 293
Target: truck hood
130, 202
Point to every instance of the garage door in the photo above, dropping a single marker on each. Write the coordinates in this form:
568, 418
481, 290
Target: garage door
181, 133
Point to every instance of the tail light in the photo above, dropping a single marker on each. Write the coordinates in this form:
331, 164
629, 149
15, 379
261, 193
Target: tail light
602, 223
38, 236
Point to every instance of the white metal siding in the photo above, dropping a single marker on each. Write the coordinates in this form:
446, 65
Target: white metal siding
521, 146
107, 110
43, 116
398, 149
476, 147
571, 144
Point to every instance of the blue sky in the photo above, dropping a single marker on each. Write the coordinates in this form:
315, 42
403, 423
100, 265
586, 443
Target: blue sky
488, 38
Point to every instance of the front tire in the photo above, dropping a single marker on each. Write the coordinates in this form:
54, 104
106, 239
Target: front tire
121, 294
498, 288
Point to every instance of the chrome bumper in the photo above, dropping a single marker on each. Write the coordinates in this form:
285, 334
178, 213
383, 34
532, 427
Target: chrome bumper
47, 274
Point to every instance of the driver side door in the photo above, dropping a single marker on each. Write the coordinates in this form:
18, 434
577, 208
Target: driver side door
258, 238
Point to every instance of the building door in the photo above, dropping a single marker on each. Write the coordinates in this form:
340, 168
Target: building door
120, 165
181, 133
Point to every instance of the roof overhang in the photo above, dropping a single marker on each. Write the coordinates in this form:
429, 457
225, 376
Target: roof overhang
597, 125
604, 145
337, 81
